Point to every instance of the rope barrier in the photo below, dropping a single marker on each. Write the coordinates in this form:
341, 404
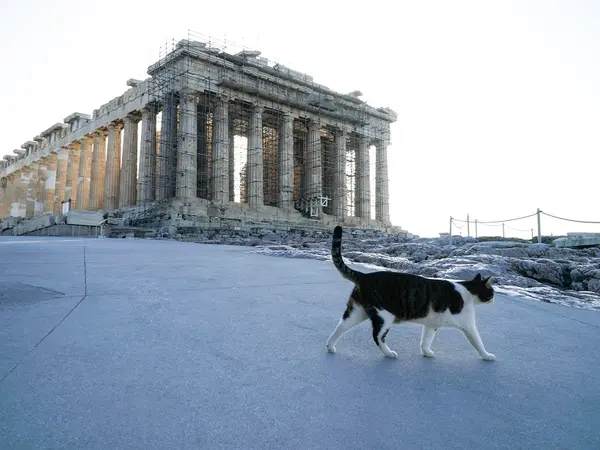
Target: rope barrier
481, 222
498, 223
569, 220
460, 228
492, 225
518, 229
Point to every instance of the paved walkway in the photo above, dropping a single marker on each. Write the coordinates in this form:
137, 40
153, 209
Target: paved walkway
113, 344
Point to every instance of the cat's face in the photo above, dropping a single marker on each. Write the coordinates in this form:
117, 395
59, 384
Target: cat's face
481, 288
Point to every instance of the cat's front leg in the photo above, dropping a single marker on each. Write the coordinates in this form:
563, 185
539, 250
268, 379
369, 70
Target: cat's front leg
426, 339
472, 334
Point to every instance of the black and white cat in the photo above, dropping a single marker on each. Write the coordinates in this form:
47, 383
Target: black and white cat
387, 298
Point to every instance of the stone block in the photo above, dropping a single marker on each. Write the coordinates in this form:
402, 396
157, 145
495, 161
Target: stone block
37, 223
575, 240
215, 211
91, 218
9, 222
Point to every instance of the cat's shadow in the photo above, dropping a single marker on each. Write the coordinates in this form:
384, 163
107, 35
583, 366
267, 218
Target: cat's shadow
410, 365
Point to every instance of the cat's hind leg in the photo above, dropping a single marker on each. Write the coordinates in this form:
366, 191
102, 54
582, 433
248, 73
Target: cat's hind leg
472, 334
426, 339
354, 315
382, 321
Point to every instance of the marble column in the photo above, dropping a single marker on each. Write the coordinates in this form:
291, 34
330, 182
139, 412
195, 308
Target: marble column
314, 168
254, 171
165, 183
62, 161
147, 178
187, 147
339, 206
84, 173
220, 152
112, 175
2, 197
286, 162
128, 191
382, 196
32, 190
231, 134
19, 206
11, 192
50, 188
40, 198
72, 173
363, 185
96, 198
204, 153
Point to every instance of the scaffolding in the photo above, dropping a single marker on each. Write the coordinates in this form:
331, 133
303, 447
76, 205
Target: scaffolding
234, 127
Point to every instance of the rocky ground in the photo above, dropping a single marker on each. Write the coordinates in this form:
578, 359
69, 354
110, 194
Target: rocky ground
539, 271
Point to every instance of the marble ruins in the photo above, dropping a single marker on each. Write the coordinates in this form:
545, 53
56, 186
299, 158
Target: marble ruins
167, 148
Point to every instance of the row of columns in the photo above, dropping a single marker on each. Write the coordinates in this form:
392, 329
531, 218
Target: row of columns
94, 174
88, 171
186, 172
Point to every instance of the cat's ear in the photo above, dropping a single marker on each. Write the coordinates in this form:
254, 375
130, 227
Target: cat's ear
488, 282
477, 278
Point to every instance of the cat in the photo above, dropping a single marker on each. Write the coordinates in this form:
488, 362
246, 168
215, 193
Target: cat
387, 298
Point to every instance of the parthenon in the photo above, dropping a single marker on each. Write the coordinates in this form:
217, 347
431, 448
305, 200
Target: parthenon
211, 134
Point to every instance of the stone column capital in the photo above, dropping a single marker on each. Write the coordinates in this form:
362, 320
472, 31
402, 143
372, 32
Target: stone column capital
258, 108
85, 138
288, 115
313, 122
133, 116
188, 95
382, 143
100, 132
150, 108
340, 132
222, 98
362, 140
115, 125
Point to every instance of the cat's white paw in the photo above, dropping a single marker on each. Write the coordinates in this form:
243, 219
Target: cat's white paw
427, 353
331, 348
489, 357
391, 354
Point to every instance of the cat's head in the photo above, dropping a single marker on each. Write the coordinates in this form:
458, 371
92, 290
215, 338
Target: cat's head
481, 288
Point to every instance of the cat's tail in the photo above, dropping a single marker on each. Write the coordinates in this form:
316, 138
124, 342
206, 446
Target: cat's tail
336, 256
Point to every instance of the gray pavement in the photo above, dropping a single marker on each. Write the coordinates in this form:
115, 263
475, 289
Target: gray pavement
159, 344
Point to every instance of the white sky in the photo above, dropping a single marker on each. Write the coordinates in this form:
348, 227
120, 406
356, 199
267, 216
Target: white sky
498, 102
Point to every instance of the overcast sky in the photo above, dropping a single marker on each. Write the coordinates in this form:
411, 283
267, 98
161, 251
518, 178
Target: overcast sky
498, 102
